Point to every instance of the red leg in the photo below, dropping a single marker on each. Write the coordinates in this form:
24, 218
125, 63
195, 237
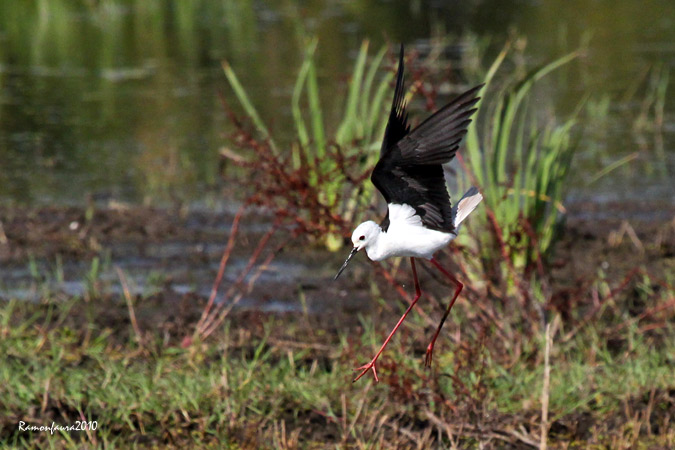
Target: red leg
371, 365
458, 289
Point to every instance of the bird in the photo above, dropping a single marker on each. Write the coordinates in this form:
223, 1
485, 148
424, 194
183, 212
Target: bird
420, 218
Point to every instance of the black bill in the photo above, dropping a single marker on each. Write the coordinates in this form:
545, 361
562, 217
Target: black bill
354, 250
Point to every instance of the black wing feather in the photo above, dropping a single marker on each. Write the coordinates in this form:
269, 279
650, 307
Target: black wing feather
397, 125
410, 167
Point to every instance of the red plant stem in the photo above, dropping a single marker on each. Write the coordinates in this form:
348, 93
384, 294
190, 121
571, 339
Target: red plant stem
223, 264
474, 182
591, 315
505, 254
466, 169
254, 257
653, 326
226, 310
668, 304
527, 227
480, 305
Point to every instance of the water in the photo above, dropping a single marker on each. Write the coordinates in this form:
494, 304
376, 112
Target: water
119, 99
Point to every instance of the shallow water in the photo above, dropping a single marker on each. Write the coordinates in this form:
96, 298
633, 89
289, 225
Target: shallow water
119, 99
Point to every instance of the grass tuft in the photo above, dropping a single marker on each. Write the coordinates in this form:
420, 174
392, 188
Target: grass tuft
521, 165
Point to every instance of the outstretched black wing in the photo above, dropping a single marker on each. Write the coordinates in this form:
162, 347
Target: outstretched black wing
410, 167
397, 125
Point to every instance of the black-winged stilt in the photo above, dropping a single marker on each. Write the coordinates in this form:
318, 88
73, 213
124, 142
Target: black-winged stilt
420, 218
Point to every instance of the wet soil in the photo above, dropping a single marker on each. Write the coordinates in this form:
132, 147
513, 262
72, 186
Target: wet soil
170, 258
172, 254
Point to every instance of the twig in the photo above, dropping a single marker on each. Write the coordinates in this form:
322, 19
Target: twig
216, 321
523, 437
545, 390
251, 262
497, 229
651, 311
45, 395
616, 237
223, 264
442, 425
130, 305
90, 435
359, 409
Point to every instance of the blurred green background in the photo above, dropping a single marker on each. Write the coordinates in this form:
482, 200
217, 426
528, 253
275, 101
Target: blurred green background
118, 99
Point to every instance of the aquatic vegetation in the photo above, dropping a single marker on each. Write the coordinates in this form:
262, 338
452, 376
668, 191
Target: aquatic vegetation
652, 111
315, 168
521, 165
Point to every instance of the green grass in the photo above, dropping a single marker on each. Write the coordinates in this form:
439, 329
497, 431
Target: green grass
283, 385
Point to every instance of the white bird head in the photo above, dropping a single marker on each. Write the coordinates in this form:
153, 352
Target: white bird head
363, 236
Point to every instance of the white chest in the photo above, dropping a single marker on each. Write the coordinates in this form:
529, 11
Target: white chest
407, 237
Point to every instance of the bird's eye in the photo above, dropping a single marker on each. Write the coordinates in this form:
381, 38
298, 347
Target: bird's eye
362, 238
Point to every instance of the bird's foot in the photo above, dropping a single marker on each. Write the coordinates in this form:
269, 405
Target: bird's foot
429, 356
365, 368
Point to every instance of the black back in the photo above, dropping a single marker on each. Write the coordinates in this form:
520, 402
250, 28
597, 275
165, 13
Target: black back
410, 167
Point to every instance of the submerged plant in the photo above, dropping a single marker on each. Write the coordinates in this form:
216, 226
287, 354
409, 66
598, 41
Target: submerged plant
651, 117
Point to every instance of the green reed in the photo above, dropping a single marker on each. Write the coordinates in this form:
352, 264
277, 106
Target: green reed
358, 133
521, 164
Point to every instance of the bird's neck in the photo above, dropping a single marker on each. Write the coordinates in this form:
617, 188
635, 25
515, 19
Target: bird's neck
377, 250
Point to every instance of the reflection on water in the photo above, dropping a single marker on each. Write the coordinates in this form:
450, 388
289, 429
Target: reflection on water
118, 99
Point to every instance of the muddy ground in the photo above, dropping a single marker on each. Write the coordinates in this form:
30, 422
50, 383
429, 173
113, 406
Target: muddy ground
173, 257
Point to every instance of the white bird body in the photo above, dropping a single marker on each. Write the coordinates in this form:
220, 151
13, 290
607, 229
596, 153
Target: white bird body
406, 234
409, 174
405, 237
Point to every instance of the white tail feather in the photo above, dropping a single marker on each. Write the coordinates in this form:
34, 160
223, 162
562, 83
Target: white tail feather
466, 205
